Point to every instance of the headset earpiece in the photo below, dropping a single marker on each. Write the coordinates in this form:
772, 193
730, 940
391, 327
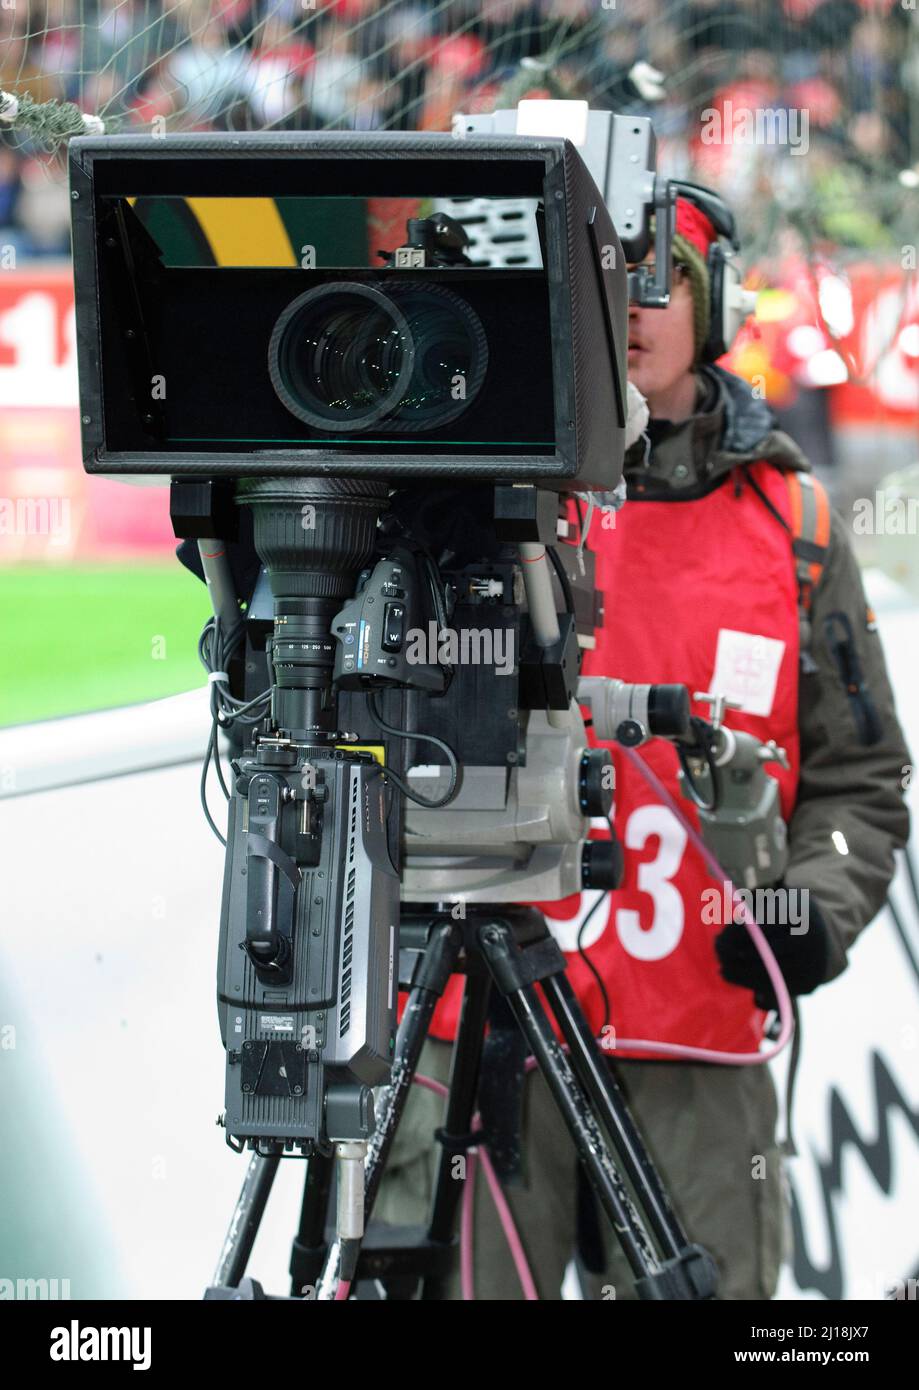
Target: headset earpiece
729, 302
716, 344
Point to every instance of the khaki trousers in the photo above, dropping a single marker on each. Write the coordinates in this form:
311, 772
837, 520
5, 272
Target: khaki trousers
710, 1131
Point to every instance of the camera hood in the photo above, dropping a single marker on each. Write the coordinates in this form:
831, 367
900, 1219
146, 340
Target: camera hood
254, 304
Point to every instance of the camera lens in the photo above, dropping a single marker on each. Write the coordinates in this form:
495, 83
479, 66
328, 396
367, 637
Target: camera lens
346, 356
451, 355
341, 356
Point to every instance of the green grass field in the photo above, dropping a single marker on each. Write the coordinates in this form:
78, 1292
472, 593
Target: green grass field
91, 637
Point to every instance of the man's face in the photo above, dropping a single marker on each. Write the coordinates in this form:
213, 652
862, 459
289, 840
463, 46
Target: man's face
661, 344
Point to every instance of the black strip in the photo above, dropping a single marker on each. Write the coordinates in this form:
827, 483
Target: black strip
840, 640
615, 361
263, 848
764, 499
809, 550
789, 1147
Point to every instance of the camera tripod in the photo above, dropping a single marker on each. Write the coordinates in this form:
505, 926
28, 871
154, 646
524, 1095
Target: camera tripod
508, 951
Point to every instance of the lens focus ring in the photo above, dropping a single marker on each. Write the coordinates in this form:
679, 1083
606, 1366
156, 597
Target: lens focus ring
341, 356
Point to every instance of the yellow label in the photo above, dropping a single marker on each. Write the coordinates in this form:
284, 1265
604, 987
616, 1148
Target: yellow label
377, 749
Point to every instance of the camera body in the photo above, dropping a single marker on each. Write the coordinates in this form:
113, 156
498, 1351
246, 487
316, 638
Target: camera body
307, 970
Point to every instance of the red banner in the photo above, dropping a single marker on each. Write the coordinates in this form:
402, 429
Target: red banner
50, 511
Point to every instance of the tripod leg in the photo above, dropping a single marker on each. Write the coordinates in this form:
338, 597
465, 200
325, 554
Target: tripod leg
244, 1222
590, 1065
433, 971
308, 1248
688, 1274
461, 1098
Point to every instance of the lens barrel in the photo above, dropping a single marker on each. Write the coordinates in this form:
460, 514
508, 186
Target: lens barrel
313, 535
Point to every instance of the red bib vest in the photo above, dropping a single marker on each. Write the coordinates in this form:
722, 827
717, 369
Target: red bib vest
703, 593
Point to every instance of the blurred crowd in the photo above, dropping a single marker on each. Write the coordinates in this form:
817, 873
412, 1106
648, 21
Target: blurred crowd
851, 65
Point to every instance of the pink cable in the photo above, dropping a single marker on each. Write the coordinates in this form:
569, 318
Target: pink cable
342, 1291
505, 1215
515, 1244
704, 1054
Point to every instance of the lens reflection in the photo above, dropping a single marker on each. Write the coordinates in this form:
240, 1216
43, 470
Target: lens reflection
348, 356
341, 356
451, 355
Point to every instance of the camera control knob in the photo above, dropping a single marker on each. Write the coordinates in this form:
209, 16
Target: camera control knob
601, 864
630, 733
596, 782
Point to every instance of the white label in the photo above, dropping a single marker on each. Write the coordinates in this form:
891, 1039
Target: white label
747, 669
276, 1023
554, 117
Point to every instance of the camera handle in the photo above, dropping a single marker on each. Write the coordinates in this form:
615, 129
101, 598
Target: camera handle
741, 817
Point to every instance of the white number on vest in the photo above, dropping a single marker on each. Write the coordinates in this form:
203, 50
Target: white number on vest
663, 935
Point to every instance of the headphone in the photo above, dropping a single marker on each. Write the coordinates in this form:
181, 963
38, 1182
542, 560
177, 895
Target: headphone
730, 304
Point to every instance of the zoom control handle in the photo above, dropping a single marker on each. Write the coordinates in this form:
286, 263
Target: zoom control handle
740, 811
373, 630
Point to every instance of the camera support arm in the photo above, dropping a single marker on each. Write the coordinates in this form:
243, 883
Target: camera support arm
541, 602
741, 817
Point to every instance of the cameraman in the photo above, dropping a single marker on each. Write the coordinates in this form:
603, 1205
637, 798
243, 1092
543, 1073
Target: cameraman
725, 571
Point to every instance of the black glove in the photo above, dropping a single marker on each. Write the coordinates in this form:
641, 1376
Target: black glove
802, 956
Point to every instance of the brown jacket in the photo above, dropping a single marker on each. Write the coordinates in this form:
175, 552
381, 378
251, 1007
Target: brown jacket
854, 758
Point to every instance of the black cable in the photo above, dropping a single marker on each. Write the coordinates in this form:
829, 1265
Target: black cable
434, 582
583, 953
703, 745
216, 649
426, 738
589, 963
432, 574
765, 500
217, 763
250, 705
203, 785
563, 579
